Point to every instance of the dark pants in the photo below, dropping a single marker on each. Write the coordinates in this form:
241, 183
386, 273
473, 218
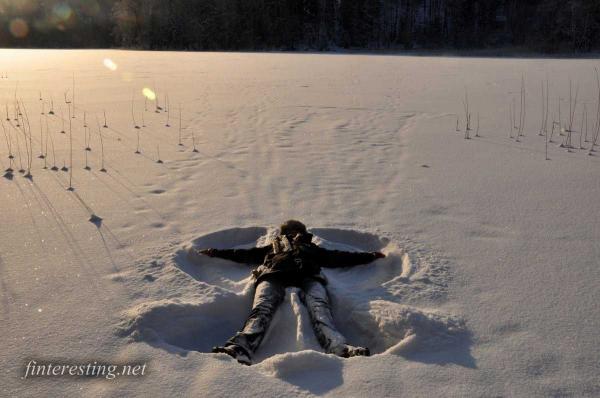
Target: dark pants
269, 294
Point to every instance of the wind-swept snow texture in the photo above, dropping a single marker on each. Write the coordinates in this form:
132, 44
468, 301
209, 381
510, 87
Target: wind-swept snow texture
490, 284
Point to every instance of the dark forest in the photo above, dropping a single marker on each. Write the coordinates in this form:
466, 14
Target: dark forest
571, 26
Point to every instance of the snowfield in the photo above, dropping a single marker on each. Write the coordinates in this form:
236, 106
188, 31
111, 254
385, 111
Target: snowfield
490, 284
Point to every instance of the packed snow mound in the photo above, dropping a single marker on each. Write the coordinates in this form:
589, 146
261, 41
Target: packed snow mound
305, 369
405, 329
373, 304
180, 326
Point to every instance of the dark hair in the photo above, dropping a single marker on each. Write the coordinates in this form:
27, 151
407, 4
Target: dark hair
292, 226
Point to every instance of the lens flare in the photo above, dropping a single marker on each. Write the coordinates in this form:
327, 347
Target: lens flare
110, 64
148, 93
62, 11
18, 28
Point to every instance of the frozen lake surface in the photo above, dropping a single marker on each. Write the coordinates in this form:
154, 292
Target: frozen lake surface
490, 287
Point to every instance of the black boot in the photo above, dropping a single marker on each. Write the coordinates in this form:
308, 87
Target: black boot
234, 351
347, 351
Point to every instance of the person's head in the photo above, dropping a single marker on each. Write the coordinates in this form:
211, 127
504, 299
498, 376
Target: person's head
294, 228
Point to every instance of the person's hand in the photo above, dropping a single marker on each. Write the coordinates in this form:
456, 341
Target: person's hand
208, 252
379, 255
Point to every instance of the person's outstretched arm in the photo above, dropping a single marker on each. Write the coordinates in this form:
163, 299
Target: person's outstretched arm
337, 258
255, 255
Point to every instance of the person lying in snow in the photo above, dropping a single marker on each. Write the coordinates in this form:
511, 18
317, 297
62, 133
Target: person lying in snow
291, 260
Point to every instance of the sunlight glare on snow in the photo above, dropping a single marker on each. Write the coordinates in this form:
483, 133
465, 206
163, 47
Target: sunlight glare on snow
110, 64
148, 93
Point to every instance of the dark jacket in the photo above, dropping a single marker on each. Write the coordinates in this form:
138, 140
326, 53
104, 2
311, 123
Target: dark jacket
291, 262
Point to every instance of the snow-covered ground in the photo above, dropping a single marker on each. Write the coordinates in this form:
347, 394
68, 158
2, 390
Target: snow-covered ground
490, 286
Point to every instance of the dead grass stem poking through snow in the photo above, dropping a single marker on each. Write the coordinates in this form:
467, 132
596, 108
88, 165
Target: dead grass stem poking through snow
70, 151
167, 110
7, 136
47, 138
102, 169
581, 128
88, 146
135, 126
20, 156
522, 111
62, 119
28, 136
158, 160
597, 125
511, 122
157, 108
180, 142
572, 107
73, 97
85, 150
467, 115
544, 123
54, 167
41, 155
137, 148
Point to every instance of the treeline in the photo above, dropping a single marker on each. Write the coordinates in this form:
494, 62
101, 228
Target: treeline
541, 25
